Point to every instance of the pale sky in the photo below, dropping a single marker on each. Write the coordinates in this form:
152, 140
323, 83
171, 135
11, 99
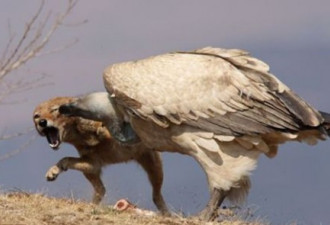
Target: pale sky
293, 37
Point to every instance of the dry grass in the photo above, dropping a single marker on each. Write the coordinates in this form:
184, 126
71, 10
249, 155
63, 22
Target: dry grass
25, 208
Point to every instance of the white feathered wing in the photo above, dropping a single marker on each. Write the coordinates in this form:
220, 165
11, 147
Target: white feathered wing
220, 106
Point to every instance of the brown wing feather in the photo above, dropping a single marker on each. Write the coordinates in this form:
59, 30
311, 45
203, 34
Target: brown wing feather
226, 92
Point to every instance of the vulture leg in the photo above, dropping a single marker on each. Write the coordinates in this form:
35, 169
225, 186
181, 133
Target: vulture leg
128, 134
209, 212
123, 132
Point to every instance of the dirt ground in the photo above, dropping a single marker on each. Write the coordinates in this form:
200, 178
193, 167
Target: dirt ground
26, 208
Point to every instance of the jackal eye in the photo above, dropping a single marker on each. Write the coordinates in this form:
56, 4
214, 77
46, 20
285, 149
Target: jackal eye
54, 109
36, 116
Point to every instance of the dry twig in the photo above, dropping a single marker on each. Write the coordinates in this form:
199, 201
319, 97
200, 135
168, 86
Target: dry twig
19, 149
32, 42
19, 50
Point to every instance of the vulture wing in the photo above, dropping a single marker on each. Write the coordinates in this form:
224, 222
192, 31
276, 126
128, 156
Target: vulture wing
226, 92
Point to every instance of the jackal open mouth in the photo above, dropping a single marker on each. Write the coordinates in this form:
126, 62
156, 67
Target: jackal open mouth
53, 137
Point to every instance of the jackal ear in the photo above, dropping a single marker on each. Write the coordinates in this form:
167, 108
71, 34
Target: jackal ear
74, 99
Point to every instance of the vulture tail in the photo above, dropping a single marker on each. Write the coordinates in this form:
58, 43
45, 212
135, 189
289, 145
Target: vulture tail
326, 123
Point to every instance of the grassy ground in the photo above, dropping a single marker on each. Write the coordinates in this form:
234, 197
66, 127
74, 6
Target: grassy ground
25, 208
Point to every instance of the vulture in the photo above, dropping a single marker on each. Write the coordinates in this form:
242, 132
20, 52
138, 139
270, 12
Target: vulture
220, 106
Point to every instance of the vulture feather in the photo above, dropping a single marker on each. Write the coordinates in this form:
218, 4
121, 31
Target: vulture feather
221, 106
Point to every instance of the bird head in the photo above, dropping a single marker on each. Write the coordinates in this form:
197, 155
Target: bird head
95, 106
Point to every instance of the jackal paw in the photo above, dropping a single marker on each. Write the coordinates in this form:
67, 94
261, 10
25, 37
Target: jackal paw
52, 173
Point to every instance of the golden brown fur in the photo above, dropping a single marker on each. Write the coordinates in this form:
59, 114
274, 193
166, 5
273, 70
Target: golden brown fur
95, 147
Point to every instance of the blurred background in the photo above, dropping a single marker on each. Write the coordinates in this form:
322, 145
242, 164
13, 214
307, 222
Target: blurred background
293, 37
